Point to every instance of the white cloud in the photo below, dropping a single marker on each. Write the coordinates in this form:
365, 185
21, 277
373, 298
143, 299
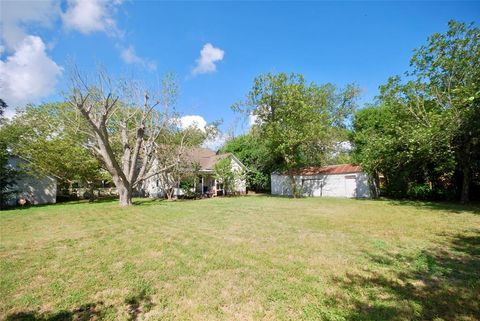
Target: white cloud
216, 142
206, 62
130, 57
193, 121
89, 16
86, 16
197, 121
28, 74
17, 15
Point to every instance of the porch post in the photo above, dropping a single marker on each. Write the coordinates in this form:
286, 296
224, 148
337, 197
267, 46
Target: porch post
215, 184
202, 185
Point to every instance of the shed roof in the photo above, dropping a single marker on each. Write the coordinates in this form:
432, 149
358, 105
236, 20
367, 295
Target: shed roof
329, 170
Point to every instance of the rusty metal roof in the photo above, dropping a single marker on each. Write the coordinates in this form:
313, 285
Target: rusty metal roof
330, 169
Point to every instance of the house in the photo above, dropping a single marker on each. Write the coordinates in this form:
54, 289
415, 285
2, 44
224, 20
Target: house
35, 189
205, 183
344, 180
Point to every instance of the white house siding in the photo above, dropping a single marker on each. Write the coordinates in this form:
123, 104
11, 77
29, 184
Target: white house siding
154, 186
240, 183
335, 185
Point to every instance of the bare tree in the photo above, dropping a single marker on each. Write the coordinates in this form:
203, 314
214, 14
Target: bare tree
123, 123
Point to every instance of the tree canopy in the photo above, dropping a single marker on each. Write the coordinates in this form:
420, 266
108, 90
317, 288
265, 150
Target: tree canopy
424, 131
50, 142
299, 123
253, 152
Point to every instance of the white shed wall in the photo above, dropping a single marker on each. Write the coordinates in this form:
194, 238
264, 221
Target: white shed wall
36, 189
335, 185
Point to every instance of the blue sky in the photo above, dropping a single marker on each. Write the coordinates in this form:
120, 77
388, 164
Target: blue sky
338, 42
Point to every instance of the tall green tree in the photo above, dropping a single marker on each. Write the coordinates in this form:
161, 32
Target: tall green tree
253, 152
444, 94
8, 176
299, 122
388, 142
431, 120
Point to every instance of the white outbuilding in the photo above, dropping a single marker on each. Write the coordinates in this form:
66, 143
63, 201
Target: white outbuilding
34, 189
344, 180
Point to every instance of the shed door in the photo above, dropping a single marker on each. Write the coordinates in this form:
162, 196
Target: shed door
350, 186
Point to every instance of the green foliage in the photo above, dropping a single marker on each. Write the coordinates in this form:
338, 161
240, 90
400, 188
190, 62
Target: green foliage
253, 152
226, 175
45, 136
189, 180
299, 123
8, 175
387, 143
427, 129
3, 107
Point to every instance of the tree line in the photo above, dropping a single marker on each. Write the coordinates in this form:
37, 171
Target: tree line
112, 130
420, 138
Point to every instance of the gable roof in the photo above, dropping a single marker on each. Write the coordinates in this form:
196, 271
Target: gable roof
328, 170
207, 158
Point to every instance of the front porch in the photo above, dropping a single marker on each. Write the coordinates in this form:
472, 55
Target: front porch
204, 185
209, 186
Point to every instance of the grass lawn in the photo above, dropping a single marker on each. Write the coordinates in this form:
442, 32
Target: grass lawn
246, 258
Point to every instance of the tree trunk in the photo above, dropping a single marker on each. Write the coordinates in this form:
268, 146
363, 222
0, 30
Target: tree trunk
374, 184
465, 185
293, 184
125, 195
169, 193
91, 191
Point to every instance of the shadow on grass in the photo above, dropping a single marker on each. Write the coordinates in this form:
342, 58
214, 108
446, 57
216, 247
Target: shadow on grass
147, 201
103, 200
473, 207
441, 283
136, 306
91, 311
454, 207
108, 199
